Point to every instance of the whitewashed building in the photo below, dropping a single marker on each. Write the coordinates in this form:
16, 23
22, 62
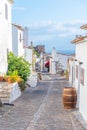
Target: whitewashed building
28, 50
58, 62
62, 58
53, 61
81, 74
71, 69
17, 40
25, 37
5, 33
28, 55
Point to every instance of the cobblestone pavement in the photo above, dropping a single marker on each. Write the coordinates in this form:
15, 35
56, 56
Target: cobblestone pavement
41, 108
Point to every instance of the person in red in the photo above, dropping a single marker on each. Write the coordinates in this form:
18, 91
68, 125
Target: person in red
47, 64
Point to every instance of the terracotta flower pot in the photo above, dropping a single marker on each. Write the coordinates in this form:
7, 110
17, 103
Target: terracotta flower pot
1, 78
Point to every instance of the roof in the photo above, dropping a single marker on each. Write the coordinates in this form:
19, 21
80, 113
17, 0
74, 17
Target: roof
18, 26
84, 27
79, 40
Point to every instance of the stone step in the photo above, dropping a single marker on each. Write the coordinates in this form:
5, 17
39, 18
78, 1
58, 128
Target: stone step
6, 88
5, 92
9, 92
5, 100
4, 96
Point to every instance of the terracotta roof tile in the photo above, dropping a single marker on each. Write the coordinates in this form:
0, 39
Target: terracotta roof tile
84, 27
79, 40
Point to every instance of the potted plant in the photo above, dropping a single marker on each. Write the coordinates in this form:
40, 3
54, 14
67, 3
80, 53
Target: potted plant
1, 78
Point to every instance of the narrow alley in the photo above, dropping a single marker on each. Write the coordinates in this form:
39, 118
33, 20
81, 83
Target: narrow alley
41, 108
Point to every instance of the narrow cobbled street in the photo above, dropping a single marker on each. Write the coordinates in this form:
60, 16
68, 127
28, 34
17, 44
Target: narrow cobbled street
41, 108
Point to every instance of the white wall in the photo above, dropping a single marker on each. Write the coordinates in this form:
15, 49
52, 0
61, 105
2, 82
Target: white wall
72, 72
83, 94
53, 62
25, 36
9, 27
63, 60
5, 34
76, 78
81, 55
17, 41
28, 55
81, 51
20, 43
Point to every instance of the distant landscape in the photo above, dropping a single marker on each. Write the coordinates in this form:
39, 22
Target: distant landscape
67, 51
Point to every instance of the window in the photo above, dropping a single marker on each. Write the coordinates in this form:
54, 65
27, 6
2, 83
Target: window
6, 12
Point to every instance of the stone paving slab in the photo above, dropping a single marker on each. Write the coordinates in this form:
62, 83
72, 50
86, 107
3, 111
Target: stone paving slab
24, 108
53, 116
4, 110
41, 108
77, 117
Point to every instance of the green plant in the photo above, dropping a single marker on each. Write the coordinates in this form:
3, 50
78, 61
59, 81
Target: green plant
13, 78
22, 85
36, 53
18, 66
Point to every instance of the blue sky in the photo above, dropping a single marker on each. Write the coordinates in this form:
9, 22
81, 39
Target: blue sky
53, 23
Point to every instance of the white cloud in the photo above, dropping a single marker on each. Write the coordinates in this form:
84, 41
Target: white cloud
49, 30
39, 38
59, 24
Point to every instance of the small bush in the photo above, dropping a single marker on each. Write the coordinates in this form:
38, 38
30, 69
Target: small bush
18, 70
22, 85
18, 66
